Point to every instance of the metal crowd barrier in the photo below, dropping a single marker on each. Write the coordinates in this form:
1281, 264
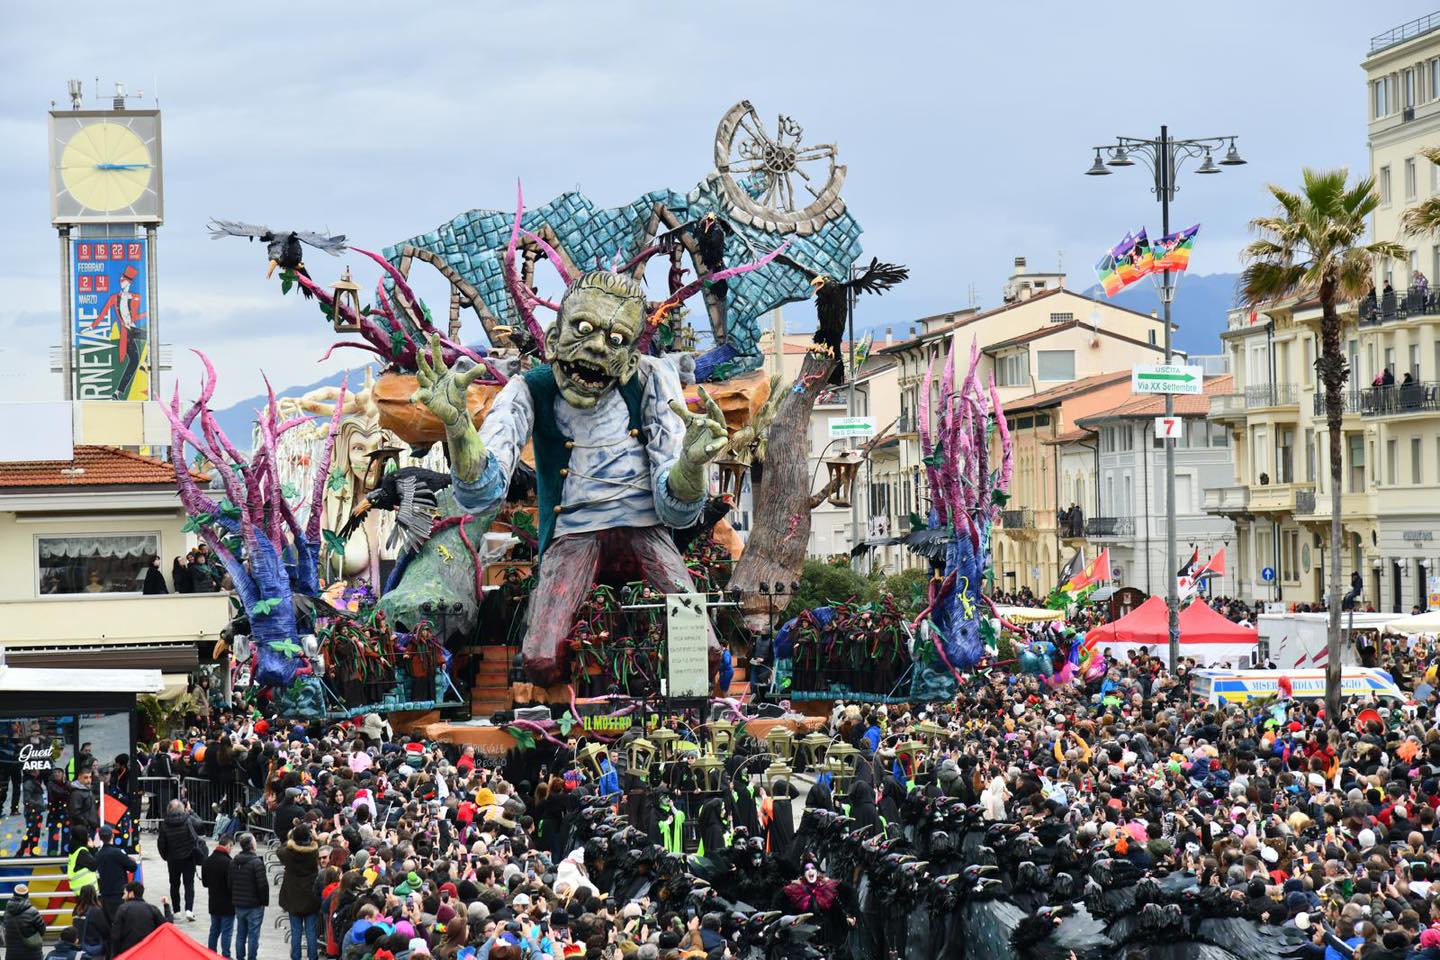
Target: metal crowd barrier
42, 875
155, 795
210, 799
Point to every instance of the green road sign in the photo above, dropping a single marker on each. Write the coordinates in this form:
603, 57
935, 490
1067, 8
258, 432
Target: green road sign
1167, 378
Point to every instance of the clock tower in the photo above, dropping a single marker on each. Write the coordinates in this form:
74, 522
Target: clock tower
106, 200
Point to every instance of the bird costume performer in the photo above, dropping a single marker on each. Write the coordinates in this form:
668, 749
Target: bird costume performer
619, 460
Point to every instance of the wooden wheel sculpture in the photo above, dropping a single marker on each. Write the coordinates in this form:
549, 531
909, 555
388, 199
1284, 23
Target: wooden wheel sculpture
760, 173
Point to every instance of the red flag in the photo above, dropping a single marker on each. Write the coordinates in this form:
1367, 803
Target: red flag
1097, 571
1214, 567
115, 809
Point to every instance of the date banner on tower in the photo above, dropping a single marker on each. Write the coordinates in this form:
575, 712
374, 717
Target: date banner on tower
1167, 378
111, 305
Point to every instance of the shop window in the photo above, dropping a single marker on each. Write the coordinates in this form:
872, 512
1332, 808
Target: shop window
103, 563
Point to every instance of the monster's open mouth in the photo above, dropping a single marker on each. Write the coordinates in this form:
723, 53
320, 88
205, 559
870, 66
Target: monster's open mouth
586, 375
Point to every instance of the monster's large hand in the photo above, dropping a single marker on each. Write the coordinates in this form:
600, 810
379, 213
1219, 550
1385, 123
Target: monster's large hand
443, 391
705, 437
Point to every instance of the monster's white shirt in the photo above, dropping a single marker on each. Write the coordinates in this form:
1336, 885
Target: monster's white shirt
615, 480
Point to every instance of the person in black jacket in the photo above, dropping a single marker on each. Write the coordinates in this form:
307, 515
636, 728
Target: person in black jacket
215, 875
298, 894
175, 843
250, 893
84, 811
113, 866
290, 811
136, 919
89, 916
23, 925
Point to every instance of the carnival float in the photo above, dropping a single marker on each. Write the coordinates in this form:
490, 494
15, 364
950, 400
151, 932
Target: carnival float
544, 482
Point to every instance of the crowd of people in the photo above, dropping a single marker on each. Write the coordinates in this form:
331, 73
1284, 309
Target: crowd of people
1117, 798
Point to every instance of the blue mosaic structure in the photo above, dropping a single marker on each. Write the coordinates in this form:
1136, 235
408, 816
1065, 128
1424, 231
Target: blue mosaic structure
473, 245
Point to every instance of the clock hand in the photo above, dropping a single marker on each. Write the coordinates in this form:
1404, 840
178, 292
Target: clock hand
122, 166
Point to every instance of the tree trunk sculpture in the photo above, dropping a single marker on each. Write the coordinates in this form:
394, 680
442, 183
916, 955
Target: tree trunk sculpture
775, 552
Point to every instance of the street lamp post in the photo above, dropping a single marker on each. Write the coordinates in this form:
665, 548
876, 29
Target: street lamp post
1163, 157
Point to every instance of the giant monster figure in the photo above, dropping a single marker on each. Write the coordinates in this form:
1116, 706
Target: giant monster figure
619, 459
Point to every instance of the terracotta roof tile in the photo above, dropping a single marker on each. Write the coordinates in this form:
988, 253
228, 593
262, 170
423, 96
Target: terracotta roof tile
1051, 397
1070, 436
91, 467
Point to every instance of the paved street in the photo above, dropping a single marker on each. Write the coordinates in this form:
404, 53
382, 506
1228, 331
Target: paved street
273, 945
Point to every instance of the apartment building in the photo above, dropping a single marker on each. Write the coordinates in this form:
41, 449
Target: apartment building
1399, 331
1280, 496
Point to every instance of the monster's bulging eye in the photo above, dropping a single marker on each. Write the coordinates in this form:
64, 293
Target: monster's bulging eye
584, 328
616, 340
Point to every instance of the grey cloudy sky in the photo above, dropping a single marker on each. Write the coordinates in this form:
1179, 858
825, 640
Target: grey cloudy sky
965, 127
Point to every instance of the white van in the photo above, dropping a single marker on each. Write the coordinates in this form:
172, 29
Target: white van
1241, 686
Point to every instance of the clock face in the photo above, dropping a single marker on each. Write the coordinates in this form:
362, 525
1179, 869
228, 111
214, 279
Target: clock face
105, 166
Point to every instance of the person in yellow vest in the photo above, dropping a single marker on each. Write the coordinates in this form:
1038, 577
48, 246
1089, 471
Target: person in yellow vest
80, 867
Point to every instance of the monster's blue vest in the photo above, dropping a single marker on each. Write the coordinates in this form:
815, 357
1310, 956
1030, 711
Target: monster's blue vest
552, 448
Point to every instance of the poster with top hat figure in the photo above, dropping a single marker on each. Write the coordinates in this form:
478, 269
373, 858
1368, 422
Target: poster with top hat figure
111, 309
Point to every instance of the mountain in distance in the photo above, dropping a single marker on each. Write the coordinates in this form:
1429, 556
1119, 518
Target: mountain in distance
1199, 308
238, 419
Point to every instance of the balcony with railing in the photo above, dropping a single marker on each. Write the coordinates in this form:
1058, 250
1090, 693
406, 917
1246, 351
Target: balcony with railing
1227, 500
1400, 399
1392, 307
1279, 497
1349, 402
1227, 406
1109, 528
1406, 31
1022, 519
1260, 396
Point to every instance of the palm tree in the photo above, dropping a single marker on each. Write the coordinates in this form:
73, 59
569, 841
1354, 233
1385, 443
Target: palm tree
1314, 246
1424, 217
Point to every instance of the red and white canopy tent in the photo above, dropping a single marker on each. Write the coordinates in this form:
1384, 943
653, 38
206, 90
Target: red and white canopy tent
1204, 634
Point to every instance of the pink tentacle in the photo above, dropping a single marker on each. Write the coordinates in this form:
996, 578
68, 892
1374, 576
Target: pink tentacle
522, 296
322, 468
350, 343
690, 289
411, 302
1007, 449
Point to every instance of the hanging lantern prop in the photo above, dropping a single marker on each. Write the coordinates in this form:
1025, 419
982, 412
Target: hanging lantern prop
843, 468
732, 477
347, 294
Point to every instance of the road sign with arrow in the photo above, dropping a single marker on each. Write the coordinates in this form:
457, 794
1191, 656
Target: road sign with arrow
1167, 378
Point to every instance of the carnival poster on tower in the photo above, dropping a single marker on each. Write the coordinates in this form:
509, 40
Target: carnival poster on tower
111, 316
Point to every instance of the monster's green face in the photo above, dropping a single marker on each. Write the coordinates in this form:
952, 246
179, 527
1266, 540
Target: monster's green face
592, 344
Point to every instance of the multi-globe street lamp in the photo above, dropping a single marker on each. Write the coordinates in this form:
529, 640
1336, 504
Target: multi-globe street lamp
1163, 157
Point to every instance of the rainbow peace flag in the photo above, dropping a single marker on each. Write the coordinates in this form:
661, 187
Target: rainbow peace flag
1134, 258
1109, 279
1174, 249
